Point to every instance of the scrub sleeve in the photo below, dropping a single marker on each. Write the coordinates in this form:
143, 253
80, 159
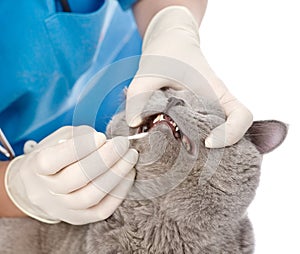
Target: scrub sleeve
49, 59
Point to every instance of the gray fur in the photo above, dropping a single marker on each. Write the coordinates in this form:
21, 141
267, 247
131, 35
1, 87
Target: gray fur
180, 202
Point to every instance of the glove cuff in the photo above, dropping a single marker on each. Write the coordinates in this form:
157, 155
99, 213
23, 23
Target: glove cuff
17, 192
171, 17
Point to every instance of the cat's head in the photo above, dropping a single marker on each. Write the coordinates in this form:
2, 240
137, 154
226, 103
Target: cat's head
175, 166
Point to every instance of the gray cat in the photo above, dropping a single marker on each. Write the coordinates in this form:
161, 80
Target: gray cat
186, 198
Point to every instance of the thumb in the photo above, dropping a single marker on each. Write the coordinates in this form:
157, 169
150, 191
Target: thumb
138, 94
230, 132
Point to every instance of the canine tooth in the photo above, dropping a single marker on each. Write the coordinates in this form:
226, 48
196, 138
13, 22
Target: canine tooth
156, 119
176, 129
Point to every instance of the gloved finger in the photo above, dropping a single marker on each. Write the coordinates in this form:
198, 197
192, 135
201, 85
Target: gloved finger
121, 190
65, 133
50, 160
230, 132
138, 94
105, 208
87, 169
96, 190
116, 174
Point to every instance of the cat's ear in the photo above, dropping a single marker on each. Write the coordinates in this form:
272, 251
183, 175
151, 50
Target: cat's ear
267, 135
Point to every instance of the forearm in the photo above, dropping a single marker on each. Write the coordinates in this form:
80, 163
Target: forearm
144, 10
7, 208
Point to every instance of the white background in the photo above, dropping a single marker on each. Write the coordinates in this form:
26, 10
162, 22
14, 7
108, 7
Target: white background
254, 47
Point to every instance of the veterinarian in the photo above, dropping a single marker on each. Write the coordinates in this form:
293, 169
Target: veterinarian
45, 47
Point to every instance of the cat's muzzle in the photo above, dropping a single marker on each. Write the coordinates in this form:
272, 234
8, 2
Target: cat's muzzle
155, 120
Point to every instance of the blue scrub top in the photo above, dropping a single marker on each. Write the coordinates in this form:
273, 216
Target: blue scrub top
49, 59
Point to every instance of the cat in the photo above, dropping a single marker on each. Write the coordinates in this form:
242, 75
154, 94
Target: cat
186, 198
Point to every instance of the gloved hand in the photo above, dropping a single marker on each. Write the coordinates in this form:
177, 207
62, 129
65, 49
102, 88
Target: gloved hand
73, 175
171, 57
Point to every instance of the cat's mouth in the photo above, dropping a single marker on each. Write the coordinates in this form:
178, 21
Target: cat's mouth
157, 119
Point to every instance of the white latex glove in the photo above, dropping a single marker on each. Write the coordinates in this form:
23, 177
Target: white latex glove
172, 37
74, 175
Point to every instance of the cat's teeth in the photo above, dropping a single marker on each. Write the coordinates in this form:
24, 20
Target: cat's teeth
163, 117
157, 119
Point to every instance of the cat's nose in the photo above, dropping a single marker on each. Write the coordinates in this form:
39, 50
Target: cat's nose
173, 101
